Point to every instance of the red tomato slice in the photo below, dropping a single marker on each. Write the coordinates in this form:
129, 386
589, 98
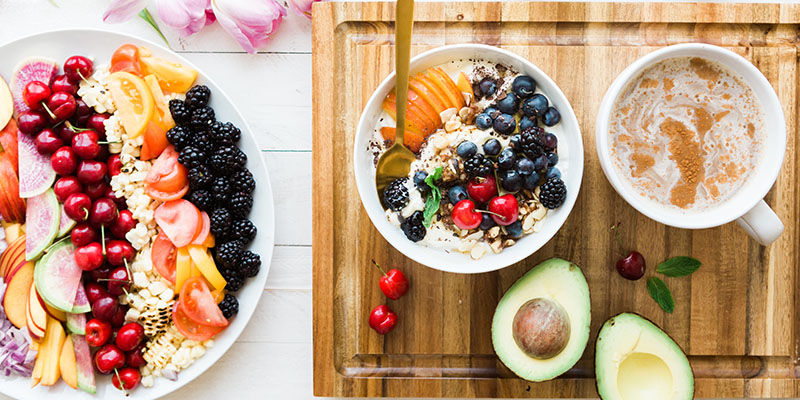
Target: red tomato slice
202, 229
178, 219
166, 174
126, 58
199, 304
190, 329
163, 255
166, 196
155, 141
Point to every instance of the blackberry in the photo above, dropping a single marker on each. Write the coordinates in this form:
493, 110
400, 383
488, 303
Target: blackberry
243, 230
200, 177
225, 133
202, 117
531, 143
228, 253
249, 264
220, 222
179, 136
229, 306
234, 279
203, 141
221, 190
413, 228
197, 96
243, 181
202, 199
227, 160
552, 193
180, 112
192, 157
240, 204
478, 165
396, 194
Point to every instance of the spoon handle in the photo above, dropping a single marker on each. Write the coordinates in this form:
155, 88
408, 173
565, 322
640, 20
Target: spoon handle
404, 21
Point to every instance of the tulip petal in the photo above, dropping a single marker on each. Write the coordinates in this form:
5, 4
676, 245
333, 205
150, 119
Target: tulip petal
250, 22
302, 7
185, 16
122, 10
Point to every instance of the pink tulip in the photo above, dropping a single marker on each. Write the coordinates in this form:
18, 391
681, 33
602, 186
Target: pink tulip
302, 7
122, 10
250, 22
185, 16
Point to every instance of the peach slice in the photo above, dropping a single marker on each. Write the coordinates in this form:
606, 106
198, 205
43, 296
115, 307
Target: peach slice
451, 86
425, 108
435, 88
464, 85
427, 94
410, 139
416, 120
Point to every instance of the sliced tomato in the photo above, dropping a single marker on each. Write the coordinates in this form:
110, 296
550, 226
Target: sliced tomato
199, 304
163, 255
126, 58
190, 329
203, 229
167, 174
166, 196
178, 219
155, 141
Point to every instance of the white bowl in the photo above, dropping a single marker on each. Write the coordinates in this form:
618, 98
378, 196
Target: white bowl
570, 151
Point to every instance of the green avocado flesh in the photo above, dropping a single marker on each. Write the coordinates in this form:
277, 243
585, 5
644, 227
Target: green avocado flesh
562, 290
634, 359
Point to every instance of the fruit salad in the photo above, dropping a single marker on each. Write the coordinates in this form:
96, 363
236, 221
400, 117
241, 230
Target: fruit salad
127, 227
487, 171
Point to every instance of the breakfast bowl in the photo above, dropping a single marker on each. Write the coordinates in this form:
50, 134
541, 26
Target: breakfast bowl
569, 160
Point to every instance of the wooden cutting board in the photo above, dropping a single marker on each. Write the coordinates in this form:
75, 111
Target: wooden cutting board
737, 317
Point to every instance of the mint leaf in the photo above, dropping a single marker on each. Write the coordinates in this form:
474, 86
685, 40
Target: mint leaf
145, 15
660, 293
678, 266
434, 198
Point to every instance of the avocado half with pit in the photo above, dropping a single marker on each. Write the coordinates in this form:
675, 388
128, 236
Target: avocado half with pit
635, 359
541, 325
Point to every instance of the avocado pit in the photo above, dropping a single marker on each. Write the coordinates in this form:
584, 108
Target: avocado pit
541, 328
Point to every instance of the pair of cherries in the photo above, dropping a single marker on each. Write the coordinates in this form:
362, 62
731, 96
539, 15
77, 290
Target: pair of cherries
394, 285
504, 210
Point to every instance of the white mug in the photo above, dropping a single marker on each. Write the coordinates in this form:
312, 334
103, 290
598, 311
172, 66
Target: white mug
746, 205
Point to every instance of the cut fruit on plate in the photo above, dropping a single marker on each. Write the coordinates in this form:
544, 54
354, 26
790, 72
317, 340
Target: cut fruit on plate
31, 69
83, 360
133, 100
172, 76
12, 257
15, 300
67, 364
6, 103
81, 304
37, 175
51, 312
76, 323
58, 277
65, 225
8, 139
44, 218
38, 316
54, 342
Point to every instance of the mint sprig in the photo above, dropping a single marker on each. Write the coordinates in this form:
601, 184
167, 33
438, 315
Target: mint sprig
678, 266
660, 293
434, 198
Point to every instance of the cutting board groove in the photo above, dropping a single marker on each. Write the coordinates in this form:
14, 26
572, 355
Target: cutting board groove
737, 317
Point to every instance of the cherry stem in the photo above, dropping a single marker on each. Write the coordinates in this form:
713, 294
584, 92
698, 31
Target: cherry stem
103, 238
53, 116
615, 228
82, 77
127, 269
75, 128
114, 280
121, 384
379, 267
492, 213
106, 142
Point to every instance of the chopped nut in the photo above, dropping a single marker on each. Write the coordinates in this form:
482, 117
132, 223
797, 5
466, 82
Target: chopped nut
440, 142
509, 243
474, 236
494, 231
466, 114
496, 246
448, 114
465, 245
477, 252
528, 222
538, 225
540, 213
452, 125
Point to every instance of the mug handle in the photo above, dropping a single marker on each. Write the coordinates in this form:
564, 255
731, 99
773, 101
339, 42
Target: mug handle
761, 223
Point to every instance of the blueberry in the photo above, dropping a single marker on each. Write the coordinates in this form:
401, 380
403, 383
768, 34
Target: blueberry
553, 173
523, 86
514, 142
524, 166
550, 141
514, 230
535, 106
456, 194
552, 159
512, 181
487, 222
419, 182
491, 111
483, 121
506, 159
505, 124
540, 164
492, 147
551, 117
509, 104
526, 123
531, 181
466, 149
487, 86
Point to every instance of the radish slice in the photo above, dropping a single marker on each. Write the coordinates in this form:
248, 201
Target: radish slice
36, 174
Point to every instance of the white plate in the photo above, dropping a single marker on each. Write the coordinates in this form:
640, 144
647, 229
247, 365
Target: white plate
99, 45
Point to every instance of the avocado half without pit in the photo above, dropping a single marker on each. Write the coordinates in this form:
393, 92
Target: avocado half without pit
634, 359
541, 325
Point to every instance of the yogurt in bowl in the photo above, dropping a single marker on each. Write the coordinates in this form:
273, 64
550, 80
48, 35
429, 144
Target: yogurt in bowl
500, 147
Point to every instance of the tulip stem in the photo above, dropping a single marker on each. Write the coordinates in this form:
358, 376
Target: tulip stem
145, 15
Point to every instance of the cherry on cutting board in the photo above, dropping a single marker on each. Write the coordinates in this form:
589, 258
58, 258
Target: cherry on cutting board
382, 319
393, 283
631, 266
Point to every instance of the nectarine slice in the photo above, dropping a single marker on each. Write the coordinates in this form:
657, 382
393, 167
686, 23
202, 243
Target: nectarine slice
419, 103
426, 94
435, 88
451, 86
15, 301
54, 341
410, 139
464, 85
413, 122
67, 364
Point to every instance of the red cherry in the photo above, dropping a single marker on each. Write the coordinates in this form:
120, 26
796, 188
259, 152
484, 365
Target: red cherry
103, 155
95, 291
482, 189
108, 358
114, 165
62, 105
97, 332
124, 223
85, 145
82, 113
47, 141
119, 317
96, 190
96, 123
34, 93
105, 308
465, 216
505, 209
77, 206
129, 336
77, 68
382, 319
121, 205
91, 171
66, 133
62, 84
83, 234
631, 267
64, 161
100, 273
103, 212
31, 122
89, 257
130, 379
135, 357
118, 281
118, 252
393, 283
66, 186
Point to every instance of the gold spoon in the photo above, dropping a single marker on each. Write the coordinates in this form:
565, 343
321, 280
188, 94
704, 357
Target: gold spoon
396, 162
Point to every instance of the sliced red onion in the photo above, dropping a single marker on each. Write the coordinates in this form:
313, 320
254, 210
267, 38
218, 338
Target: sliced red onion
16, 355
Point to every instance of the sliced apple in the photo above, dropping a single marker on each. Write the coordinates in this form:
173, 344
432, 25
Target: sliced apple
11, 257
436, 90
67, 364
6, 103
464, 85
54, 342
51, 312
410, 139
36, 309
8, 138
36, 332
426, 94
15, 301
13, 232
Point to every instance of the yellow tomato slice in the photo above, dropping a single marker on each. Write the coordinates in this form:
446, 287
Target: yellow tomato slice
161, 116
202, 259
133, 100
183, 266
172, 77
